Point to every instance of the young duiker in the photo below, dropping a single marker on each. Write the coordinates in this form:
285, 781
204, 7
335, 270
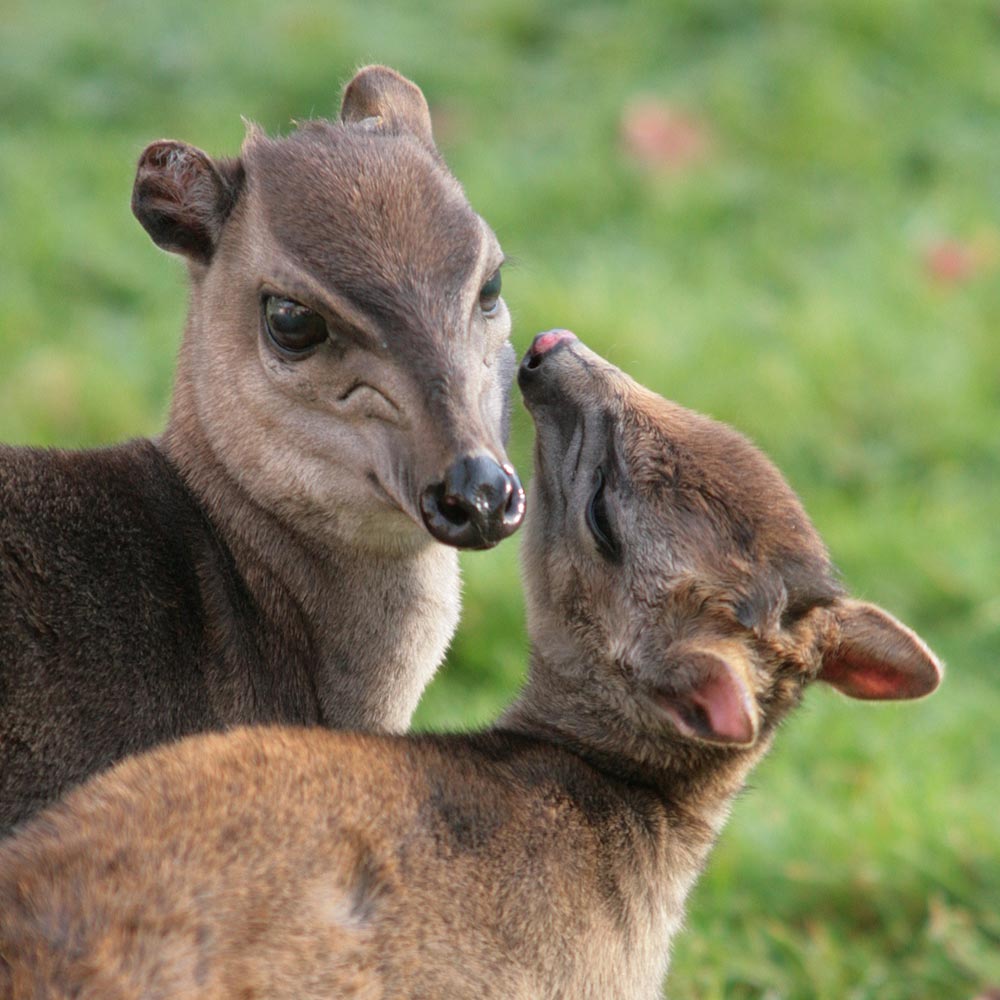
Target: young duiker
680, 602
340, 411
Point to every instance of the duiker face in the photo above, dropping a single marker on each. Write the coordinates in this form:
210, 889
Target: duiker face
673, 578
348, 352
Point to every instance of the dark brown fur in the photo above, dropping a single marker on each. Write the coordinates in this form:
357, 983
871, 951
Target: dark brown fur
265, 560
548, 857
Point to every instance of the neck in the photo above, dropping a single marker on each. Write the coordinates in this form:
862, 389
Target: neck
700, 777
691, 786
371, 625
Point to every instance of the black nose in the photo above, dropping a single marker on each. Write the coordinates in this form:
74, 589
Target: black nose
478, 504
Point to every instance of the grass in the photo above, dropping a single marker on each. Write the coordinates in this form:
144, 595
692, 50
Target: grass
791, 283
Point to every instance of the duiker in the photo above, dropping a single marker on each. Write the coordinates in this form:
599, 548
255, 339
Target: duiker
680, 602
340, 411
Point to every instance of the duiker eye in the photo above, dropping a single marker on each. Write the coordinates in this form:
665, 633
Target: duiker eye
292, 327
489, 295
599, 522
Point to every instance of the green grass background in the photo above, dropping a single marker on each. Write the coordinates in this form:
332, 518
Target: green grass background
782, 286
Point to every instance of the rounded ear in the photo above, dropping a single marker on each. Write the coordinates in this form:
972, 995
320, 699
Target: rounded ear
380, 93
876, 657
709, 698
182, 197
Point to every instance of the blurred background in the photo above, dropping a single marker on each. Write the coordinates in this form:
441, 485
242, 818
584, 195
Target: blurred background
785, 213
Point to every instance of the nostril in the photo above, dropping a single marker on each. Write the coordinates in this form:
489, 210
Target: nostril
451, 508
513, 512
454, 510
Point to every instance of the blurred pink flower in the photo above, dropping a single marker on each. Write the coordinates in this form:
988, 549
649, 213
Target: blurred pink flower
660, 137
951, 261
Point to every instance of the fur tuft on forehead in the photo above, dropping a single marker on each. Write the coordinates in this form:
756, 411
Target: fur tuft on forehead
375, 214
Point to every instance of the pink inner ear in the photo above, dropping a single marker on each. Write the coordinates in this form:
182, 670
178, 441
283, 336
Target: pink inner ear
726, 705
878, 658
872, 681
718, 708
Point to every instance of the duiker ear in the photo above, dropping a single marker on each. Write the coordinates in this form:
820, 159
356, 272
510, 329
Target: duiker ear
711, 701
877, 657
381, 93
182, 198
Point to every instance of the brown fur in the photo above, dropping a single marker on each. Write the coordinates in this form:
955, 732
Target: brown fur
548, 857
267, 559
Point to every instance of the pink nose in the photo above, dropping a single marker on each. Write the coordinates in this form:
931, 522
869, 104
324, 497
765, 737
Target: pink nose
544, 342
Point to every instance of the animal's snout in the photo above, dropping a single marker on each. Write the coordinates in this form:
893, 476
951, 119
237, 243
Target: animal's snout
544, 343
478, 503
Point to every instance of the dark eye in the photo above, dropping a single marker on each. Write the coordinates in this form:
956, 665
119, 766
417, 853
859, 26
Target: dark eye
489, 295
599, 522
292, 327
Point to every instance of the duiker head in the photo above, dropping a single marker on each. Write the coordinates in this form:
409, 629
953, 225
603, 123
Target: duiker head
347, 355
677, 592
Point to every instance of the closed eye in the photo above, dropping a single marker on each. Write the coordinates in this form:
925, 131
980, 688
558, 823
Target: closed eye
599, 521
